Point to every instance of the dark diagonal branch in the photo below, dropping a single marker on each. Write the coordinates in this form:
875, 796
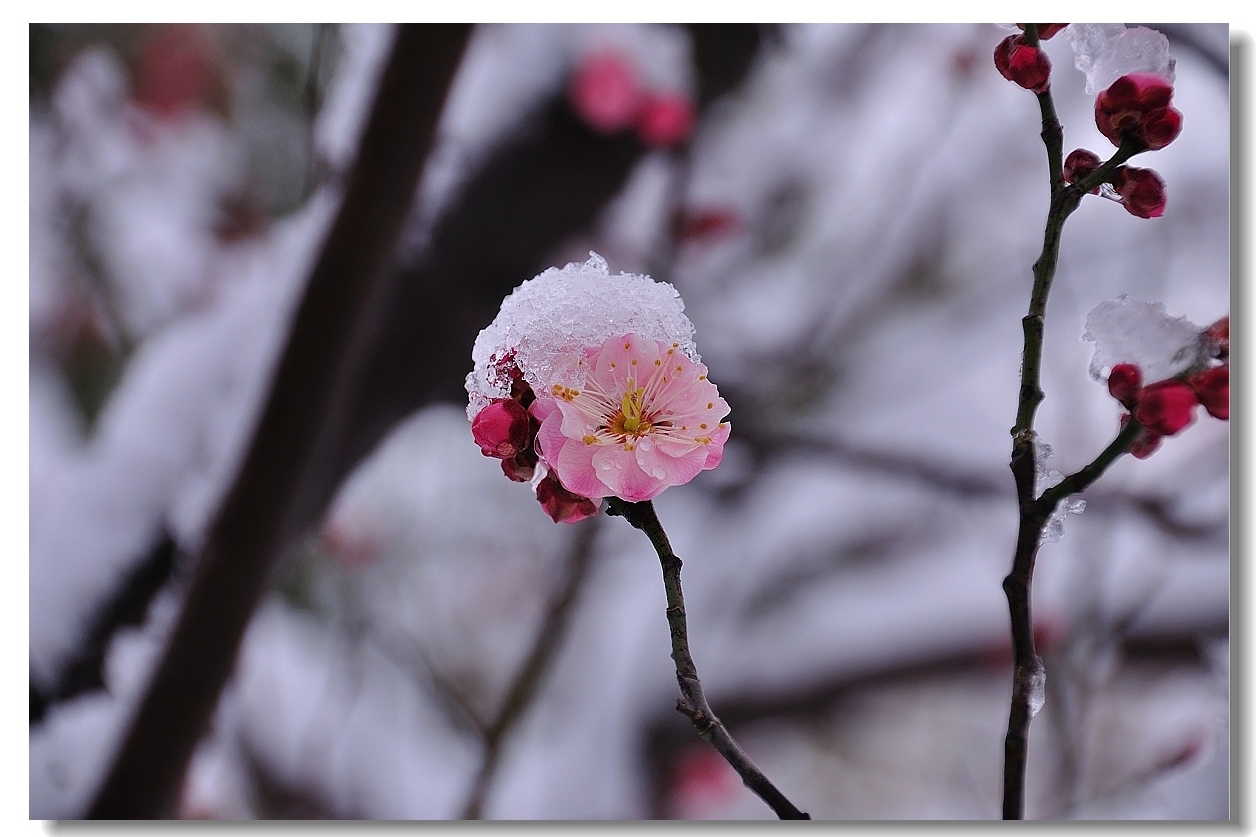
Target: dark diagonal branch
693, 702
531, 674
300, 421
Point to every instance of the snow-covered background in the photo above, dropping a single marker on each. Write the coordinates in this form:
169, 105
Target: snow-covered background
858, 222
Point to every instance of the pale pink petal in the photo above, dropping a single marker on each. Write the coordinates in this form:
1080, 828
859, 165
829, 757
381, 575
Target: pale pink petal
670, 470
618, 469
575, 469
715, 450
550, 438
542, 407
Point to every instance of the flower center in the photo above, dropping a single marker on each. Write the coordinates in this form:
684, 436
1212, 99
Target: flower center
630, 420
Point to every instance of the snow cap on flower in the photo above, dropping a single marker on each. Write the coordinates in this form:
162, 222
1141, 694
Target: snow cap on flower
1128, 330
622, 399
549, 321
1107, 51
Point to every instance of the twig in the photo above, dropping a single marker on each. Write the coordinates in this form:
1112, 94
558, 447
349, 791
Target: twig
532, 672
1029, 676
693, 702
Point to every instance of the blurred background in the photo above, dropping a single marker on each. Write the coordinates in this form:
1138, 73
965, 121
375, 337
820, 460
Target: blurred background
851, 224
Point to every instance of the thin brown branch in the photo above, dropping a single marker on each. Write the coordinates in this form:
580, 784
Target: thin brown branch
1029, 676
693, 702
302, 419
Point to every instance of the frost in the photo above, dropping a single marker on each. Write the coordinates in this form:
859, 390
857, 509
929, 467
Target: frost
1037, 691
1107, 51
1127, 330
1053, 530
550, 320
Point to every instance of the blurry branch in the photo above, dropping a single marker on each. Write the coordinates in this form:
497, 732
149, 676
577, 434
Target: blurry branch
368, 346
528, 679
303, 415
693, 702
127, 606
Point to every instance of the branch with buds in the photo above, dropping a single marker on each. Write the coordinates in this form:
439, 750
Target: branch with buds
1135, 114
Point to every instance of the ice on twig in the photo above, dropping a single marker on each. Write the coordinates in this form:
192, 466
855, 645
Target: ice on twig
1037, 691
1107, 51
550, 320
1053, 530
1128, 330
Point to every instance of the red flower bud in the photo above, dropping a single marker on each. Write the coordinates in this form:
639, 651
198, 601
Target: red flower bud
1123, 382
1079, 165
521, 467
666, 120
1166, 407
1141, 191
502, 429
604, 93
709, 224
1136, 106
1145, 443
1027, 66
1212, 387
1161, 127
560, 504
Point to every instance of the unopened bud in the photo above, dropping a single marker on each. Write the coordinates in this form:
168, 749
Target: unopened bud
1079, 165
560, 504
1027, 66
1166, 407
1141, 191
1124, 382
502, 429
1136, 107
1212, 387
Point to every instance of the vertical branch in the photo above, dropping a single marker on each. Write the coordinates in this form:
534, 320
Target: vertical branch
300, 422
1029, 676
693, 702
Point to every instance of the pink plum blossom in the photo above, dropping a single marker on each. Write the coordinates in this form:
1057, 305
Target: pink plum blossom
646, 418
666, 120
604, 92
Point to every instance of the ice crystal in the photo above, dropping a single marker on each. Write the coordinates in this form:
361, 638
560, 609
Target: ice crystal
1107, 51
549, 321
1128, 330
1037, 691
1053, 530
